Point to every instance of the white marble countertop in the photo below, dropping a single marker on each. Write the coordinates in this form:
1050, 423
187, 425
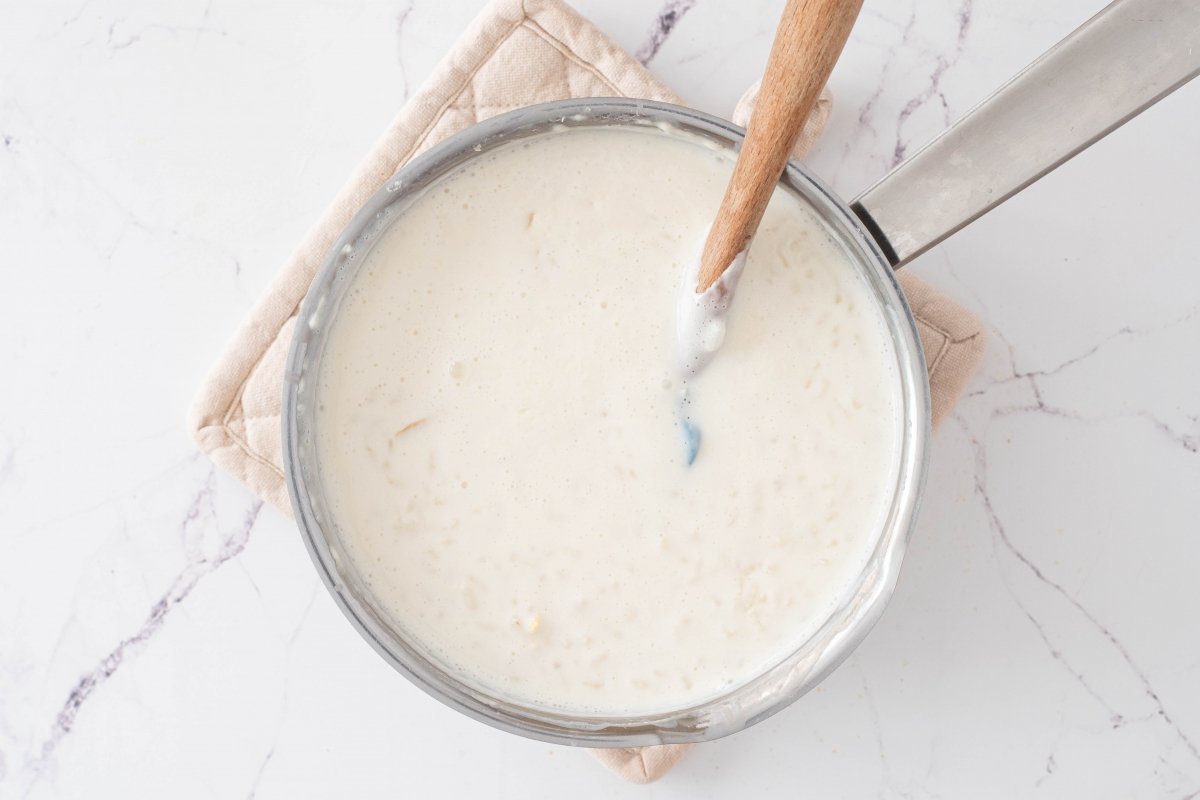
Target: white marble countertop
164, 635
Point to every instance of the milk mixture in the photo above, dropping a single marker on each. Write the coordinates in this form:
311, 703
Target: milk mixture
499, 431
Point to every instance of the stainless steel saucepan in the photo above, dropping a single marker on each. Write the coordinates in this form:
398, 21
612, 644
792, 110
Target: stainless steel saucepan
1123, 60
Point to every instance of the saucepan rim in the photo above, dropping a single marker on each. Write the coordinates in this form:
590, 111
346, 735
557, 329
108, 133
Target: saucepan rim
744, 705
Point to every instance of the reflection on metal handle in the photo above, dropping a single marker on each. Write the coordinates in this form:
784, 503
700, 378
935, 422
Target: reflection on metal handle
1120, 62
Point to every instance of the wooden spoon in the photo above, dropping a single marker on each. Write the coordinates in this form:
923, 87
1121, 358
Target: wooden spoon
809, 40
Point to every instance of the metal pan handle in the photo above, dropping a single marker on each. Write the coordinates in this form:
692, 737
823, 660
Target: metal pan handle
1117, 64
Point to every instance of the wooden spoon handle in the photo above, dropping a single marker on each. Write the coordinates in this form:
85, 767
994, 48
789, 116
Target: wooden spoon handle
810, 38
